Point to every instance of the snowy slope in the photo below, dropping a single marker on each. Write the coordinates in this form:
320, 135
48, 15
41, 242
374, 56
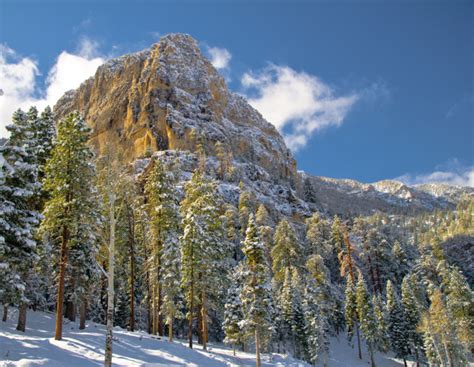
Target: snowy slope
37, 347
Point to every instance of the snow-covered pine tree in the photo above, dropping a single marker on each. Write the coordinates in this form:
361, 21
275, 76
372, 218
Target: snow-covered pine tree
318, 306
256, 290
381, 334
164, 261
233, 313
44, 133
365, 313
348, 270
204, 249
412, 315
351, 315
262, 218
399, 260
246, 206
460, 304
286, 252
69, 181
442, 346
18, 248
290, 300
397, 324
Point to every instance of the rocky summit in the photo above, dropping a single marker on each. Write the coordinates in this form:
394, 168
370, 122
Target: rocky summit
152, 100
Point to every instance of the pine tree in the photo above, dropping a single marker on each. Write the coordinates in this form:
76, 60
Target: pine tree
318, 307
246, 207
163, 210
203, 249
381, 334
18, 248
44, 133
292, 311
262, 218
286, 252
69, 181
233, 314
397, 324
365, 314
460, 304
441, 343
256, 291
351, 314
412, 314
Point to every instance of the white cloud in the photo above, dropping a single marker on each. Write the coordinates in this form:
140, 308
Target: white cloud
220, 57
18, 78
297, 103
450, 173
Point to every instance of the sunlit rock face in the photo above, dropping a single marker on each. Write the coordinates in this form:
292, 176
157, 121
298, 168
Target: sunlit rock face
151, 101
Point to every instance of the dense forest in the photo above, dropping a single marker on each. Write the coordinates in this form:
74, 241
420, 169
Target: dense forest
87, 236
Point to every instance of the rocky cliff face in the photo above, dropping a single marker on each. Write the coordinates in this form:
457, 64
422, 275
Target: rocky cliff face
151, 101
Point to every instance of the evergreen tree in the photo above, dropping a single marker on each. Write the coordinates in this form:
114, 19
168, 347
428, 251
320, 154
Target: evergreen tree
318, 307
203, 249
18, 220
292, 311
351, 315
233, 314
164, 259
412, 315
69, 181
441, 344
262, 218
256, 290
397, 325
246, 207
381, 334
365, 313
286, 252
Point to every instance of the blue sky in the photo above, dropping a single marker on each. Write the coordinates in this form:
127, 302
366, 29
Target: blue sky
361, 89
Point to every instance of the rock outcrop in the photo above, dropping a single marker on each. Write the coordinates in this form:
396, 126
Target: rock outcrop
151, 101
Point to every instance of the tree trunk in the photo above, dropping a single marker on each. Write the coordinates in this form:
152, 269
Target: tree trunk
358, 340
110, 290
405, 362
5, 312
154, 305
204, 321
149, 305
62, 273
21, 326
190, 329
82, 314
233, 349
71, 310
170, 331
199, 324
257, 348
131, 323
160, 304
372, 360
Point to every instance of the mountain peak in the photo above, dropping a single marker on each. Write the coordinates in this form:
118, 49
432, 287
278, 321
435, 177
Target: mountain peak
152, 100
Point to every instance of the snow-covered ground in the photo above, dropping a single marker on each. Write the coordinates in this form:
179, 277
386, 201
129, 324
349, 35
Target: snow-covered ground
37, 347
